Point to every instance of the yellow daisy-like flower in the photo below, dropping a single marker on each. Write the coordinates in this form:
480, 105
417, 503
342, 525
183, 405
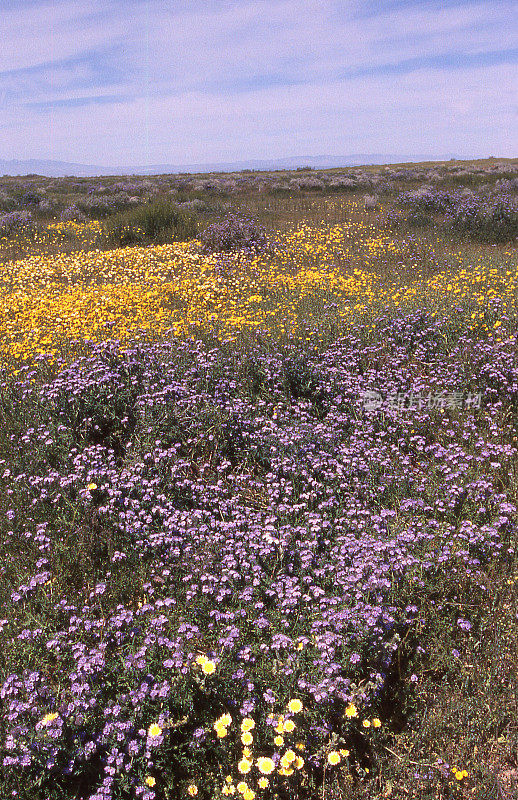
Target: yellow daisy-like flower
228, 790
279, 741
225, 719
48, 718
221, 731
247, 725
289, 726
208, 667
334, 758
265, 765
242, 787
249, 794
150, 781
201, 660
91, 487
298, 763
247, 753
244, 766
295, 706
263, 783
351, 711
154, 730
229, 779
376, 723
300, 745
192, 789
344, 753
286, 771
247, 738
290, 756
366, 723
461, 774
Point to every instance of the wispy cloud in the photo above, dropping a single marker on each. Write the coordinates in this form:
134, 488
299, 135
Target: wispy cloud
166, 80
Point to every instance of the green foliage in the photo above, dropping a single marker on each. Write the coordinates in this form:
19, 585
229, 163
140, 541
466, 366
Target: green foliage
157, 222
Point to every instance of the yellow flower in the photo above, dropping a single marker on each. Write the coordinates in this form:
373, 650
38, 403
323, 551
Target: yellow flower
247, 753
91, 487
263, 783
228, 790
366, 723
376, 723
351, 711
208, 667
201, 660
265, 765
242, 787
249, 794
344, 753
225, 719
298, 763
334, 757
295, 706
154, 730
461, 774
247, 738
289, 726
244, 766
290, 756
48, 718
286, 771
279, 741
247, 725
192, 789
300, 745
150, 781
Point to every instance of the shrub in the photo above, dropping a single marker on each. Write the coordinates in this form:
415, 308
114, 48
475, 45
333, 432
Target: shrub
159, 221
72, 214
15, 221
233, 233
370, 202
428, 199
493, 222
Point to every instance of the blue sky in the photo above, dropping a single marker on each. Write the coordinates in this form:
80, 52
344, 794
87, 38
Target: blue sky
136, 82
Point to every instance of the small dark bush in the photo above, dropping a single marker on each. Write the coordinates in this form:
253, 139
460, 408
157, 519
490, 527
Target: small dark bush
159, 222
15, 221
30, 199
72, 214
419, 219
493, 222
233, 233
426, 199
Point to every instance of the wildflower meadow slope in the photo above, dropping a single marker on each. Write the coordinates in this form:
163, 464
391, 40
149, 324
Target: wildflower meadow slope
255, 506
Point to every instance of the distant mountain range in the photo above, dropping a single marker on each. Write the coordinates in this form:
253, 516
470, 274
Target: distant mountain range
56, 169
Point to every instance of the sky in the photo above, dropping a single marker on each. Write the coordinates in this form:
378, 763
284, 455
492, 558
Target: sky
127, 82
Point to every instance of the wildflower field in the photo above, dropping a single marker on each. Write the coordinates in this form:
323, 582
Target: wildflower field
259, 503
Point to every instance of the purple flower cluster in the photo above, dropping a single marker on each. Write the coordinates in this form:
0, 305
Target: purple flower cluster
488, 216
233, 233
175, 500
15, 221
